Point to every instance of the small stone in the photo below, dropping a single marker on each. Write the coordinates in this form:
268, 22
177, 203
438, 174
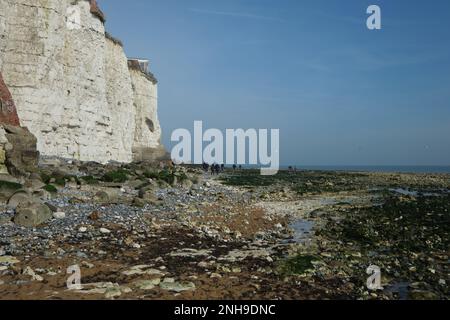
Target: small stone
87, 265
143, 269
81, 255
442, 282
147, 284
126, 290
112, 293
95, 215
105, 231
169, 280
82, 229
59, 215
187, 184
423, 295
138, 202
148, 196
215, 276
8, 260
236, 270
177, 286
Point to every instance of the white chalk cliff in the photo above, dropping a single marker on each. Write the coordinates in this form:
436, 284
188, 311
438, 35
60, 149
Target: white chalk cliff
73, 86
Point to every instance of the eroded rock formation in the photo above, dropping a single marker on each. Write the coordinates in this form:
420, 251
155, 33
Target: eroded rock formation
73, 86
18, 154
8, 112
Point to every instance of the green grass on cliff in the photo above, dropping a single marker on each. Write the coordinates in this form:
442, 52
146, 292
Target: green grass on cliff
118, 176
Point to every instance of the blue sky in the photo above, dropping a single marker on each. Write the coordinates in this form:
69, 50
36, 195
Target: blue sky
339, 93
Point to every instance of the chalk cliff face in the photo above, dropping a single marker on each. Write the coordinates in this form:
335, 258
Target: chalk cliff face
73, 87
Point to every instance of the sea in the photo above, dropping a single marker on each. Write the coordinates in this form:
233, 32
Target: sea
387, 169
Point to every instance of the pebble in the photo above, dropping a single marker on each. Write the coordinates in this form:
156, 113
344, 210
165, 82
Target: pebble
59, 215
105, 231
126, 289
112, 293
147, 284
87, 265
8, 260
81, 255
177, 286
82, 229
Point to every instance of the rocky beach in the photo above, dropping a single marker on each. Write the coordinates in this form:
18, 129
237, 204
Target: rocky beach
141, 231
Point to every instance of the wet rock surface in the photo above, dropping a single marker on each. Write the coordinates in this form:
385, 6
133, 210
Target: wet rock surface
212, 239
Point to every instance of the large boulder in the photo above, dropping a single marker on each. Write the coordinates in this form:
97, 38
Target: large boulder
18, 152
19, 197
148, 195
107, 195
32, 214
19, 145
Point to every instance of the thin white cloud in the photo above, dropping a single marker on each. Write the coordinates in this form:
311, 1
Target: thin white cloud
368, 60
235, 14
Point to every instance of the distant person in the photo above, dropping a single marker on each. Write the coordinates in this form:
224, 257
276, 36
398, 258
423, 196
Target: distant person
222, 167
240, 167
217, 169
234, 167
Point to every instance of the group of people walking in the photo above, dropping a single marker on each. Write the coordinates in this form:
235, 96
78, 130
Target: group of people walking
215, 169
